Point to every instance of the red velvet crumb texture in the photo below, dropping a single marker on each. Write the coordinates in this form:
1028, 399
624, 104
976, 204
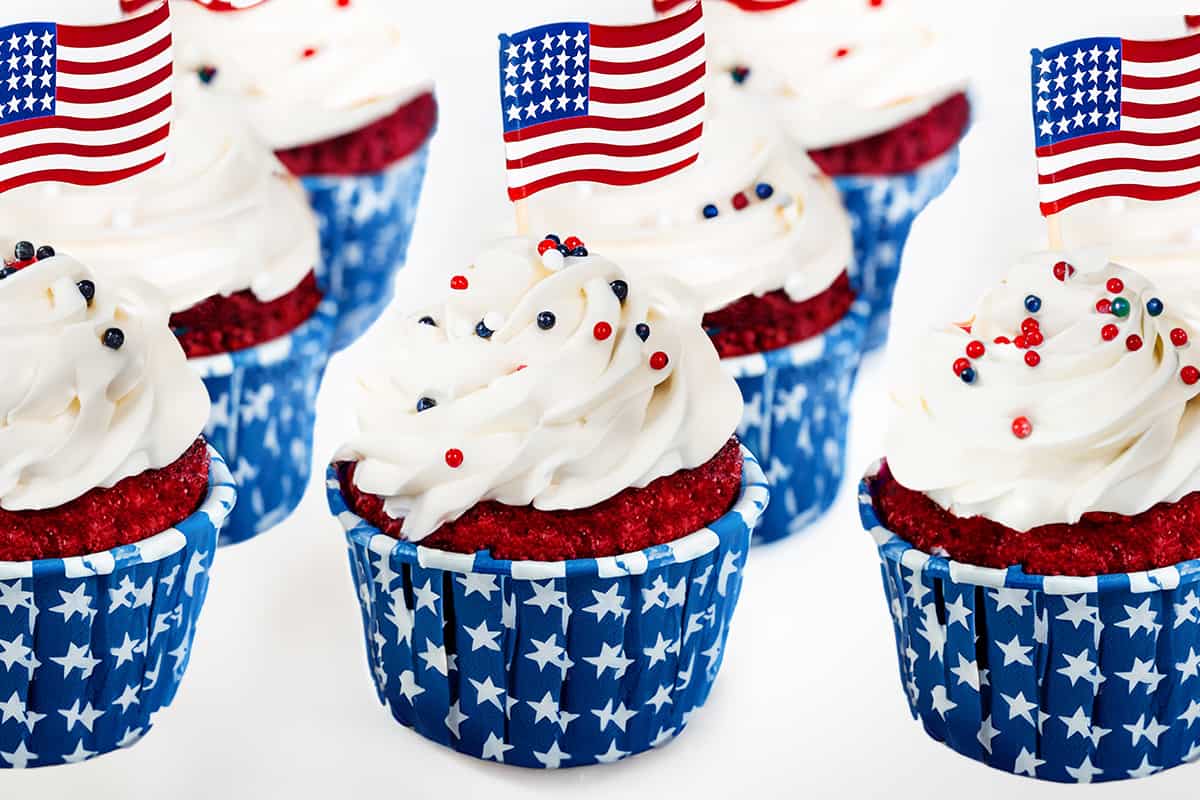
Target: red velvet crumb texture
759, 324
1098, 544
371, 149
137, 508
668, 509
223, 324
901, 149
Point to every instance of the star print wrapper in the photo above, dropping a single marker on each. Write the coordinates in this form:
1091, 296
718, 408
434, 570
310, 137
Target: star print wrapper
366, 225
796, 419
1077, 680
882, 210
264, 402
91, 648
550, 664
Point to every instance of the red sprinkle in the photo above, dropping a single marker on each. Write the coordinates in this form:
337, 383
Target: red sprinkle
1109, 332
454, 458
740, 201
1022, 427
1115, 285
1179, 337
960, 364
1133, 342
343, 3
975, 349
459, 283
1032, 358
659, 360
1034, 338
1104, 306
1062, 270
572, 242
1002, 340
546, 245
1189, 375
602, 331
1021, 342
875, 3
841, 52
1029, 324
309, 52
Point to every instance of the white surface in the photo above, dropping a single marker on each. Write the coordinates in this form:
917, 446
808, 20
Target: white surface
278, 701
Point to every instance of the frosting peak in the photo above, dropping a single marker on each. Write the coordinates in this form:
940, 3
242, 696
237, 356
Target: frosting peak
1103, 418
539, 384
82, 406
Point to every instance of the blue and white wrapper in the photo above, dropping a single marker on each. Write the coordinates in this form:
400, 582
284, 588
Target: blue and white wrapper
550, 664
1066, 679
797, 417
264, 407
882, 211
91, 648
366, 224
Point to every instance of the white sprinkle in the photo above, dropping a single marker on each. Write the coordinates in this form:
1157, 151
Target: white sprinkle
493, 320
553, 260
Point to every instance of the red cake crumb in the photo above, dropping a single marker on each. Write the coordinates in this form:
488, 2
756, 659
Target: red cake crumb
135, 509
370, 149
758, 324
225, 324
668, 509
901, 149
1098, 544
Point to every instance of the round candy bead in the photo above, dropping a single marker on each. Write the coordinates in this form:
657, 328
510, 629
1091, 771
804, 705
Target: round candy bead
425, 403
1104, 306
1029, 324
1109, 332
1034, 338
572, 242
1133, 342
960, 364
553, 237
483, 331
740, 201
1063, 270
553, 260
23, 251
87, 289
1189, 375
1032, 358
45, 251
620, 289
601, 330
114, 338
1154, 306
967, 375
1033, 303
1120, 307
659, 360
427, 321
1022, 427
546, 320
579, 252
1021, 342
1179, 337
1002, 340
975, 349
710, 211
459, 283
566, 251
454, 458
642, 330
1115, 285
546, 244
764, 191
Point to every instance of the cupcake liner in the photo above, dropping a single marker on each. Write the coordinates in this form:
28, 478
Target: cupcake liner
1060, 678
92, 647
796, 419
366, 224
264, 408
882, 210
550, 664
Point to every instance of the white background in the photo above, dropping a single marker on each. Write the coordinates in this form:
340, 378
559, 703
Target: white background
278, 702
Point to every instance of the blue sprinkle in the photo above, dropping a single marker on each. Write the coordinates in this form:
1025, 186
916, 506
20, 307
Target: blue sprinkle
710, 211
967, 375
764, 190
483, 331
1033, 304
1154, 306
425, 403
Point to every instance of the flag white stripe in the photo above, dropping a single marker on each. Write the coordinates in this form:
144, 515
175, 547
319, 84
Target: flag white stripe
646, 108
115, 108
85, 138
527, 147
1160, 69
112, 52
119, 78
641, 80
1061, 161
1056, 191
1160, 125
84, 163
1160, 96
644, 52
521, 177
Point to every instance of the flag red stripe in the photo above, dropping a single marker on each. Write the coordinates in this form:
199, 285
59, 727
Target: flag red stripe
1168, 82
111, 94
745, 5
603, 149
1120, 137
83, 124
1106, 164
116, 33
1157, 111
606, 123
117, 64
634, 67
85, 150
647, 33
600, 94
1131, 190
1167, 50
606, 176
80, 177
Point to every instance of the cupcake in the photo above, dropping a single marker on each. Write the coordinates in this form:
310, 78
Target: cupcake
759, 235
110, 504
871, 90
1035, 518
337, 91
547, 512
225, 233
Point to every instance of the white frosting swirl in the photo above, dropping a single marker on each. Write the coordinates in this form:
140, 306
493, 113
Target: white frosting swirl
896, 63
220, 216
554, 417
77, 415
1114, 429
798, 239
304, 70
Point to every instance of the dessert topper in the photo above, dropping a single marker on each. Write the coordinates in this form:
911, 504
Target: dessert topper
1115, 118
619, 105
88, 105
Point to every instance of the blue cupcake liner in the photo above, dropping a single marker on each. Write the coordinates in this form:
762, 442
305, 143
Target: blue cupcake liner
92, 647
550, 664
797, 417
882, 210
366, 224
1066, 679
264, 406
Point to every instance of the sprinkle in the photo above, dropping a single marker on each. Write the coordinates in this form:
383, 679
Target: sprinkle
1120, 307
642, 330
87, 289
1115, 285
967, 375
740, 201
1002, 340
427, 321
1022, 427
546, 320
483, 331
546, 244
1034, 338
1104, 306
459, 283
553, 260
1109, 332
602, 330
975, 349
1032, 358
1154, 306
764, 191
579, 252
659, 360
6, 271
620, 289
1029, 324
1179, 337
343, 3
573, 242
114, 338
425, 403
494, 320
1063, 270
710, 211
960, 364
1189, 375
553, 237
1021, 342
739, 74
309, 52
206, 74
841, 52
1133, 342
1033, 303
45, 251
23, 251
454, 458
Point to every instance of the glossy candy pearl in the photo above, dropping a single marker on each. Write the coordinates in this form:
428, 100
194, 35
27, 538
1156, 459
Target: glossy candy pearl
642, 330
1189, 375
659, 360
1029, 324
114, 338
1021, 342
1120, 307
740, 201
546, 244
1115, 285
601, 331
553, 237
1002, 340
578, 252
454, 458
975, 349
764, 191
620, 289
425, 403
967, 375
960, 364
1109, 332
206, 74
1063, 270
1022, 427
87, 289
1133, 342
483, 331
1179, 337
1033, 303
546, 320
573, 242
427, 321
711, 211
23, 251
1154, 306
739, 74
459, 283
553, 260
1104, 306
45, 251
1032, 358
1034, 338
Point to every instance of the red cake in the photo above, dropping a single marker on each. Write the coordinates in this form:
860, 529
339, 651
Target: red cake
1096, 545
135, 509
759, 324
902, 149
226, 324
370, 149
669, 508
